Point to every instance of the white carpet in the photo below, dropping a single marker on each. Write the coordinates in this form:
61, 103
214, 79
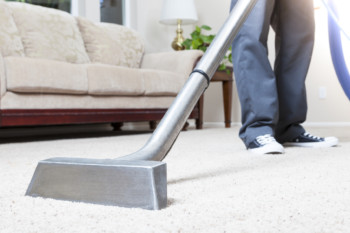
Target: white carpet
214, 185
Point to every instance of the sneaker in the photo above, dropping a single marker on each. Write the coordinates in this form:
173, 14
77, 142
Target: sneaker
308, 140
265, 144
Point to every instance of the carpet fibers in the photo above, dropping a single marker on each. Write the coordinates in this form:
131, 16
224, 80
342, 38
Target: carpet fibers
214, 185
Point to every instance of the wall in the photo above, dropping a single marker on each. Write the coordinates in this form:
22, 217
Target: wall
334, 109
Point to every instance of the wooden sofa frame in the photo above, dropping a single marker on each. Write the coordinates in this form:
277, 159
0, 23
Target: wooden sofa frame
42, 117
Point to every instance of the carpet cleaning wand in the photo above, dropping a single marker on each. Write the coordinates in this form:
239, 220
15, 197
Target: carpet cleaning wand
139, 179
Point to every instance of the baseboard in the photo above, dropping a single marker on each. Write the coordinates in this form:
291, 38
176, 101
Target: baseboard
145, 125
327, 124
306, 124
214, 124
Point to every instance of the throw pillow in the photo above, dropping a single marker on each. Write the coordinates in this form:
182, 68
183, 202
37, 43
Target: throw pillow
49, 33
111, 43
10, 40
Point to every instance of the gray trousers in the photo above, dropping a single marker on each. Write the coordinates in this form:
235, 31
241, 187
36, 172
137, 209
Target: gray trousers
273, 99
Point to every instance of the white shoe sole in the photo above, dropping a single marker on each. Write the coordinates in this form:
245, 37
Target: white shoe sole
328, 142
271, 148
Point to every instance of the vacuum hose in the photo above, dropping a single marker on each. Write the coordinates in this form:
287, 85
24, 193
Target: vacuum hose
335, 41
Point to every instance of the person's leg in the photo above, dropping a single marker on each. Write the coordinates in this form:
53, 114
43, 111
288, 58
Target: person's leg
254, 76
293, 23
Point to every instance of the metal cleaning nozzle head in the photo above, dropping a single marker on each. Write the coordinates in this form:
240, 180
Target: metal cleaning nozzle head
126, 183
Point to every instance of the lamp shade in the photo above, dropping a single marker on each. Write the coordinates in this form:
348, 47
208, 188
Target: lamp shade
178, 9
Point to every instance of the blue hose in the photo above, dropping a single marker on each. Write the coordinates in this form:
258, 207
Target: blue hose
334, 32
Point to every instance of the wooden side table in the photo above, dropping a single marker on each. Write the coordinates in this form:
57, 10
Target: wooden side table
226, 79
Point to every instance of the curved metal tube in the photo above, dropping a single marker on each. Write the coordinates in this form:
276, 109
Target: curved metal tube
170, 126
335, 42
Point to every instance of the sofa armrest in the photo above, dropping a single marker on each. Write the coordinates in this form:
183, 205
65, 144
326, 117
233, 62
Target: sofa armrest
181, 62
2, 76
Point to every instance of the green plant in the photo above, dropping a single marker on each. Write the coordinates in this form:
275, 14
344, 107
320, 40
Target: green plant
201, 41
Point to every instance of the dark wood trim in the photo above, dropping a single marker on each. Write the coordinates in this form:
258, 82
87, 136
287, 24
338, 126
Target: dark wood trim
34, 117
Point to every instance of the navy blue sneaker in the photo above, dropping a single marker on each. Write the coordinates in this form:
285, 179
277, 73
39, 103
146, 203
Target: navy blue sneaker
265, 144
308, 140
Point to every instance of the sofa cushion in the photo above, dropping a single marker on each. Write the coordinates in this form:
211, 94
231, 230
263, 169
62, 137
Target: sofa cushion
10, 41
123, 81
111, 43
162, 83
181, 62
49, 33
114, 80
45, 76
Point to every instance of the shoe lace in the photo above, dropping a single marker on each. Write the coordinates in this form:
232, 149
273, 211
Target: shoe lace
311, 136
265, 139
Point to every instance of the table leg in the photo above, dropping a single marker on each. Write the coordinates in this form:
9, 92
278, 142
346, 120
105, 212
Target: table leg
227, 95
199, 121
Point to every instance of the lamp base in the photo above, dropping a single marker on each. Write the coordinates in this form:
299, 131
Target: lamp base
177, 45
179, 39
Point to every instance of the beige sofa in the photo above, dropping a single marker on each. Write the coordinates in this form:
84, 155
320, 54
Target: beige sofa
59, 69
